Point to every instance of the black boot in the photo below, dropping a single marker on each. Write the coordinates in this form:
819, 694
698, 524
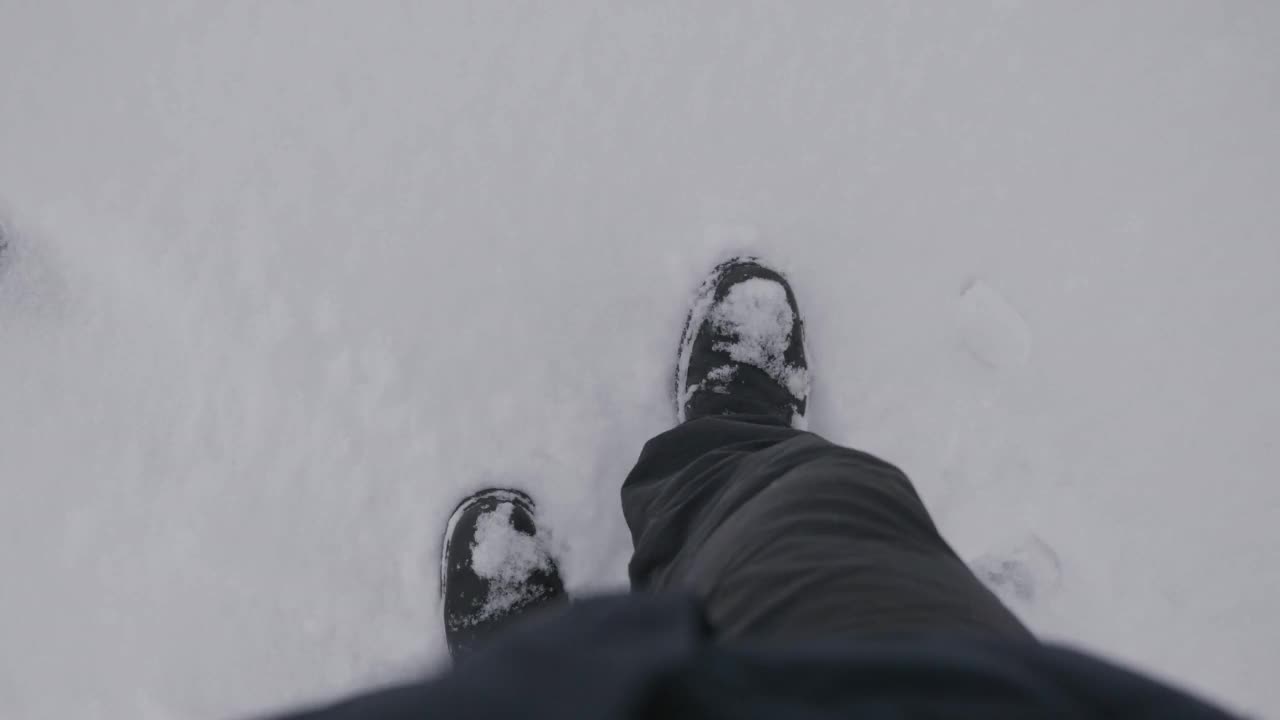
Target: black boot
743, 348
496, 568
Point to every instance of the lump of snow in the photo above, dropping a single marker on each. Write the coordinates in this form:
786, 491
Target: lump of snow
506, 558
756, 313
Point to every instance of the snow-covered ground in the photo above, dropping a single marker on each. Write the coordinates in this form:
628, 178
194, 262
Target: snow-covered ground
287, 280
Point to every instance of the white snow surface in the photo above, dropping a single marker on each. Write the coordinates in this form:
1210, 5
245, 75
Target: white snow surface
506, 557
286, 281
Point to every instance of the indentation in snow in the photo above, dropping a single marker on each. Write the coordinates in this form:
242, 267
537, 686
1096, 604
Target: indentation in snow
1020, 572
991, 329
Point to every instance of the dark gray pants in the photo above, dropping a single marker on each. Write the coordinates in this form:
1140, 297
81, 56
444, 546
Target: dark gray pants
784, 535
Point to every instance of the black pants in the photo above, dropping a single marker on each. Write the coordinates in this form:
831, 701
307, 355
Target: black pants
783, 535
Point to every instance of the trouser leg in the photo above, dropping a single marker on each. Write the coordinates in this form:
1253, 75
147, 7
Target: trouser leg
785, 535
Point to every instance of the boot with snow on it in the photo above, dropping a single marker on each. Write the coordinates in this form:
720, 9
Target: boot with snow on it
496, 568
743, 351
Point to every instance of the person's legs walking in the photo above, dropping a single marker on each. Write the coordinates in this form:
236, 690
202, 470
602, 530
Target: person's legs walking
782, 538
781, 533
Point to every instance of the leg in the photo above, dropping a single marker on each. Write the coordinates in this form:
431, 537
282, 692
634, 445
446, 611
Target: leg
785, 535
780, 532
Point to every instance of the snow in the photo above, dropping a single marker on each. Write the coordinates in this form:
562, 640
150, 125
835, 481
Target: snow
722, 374
993, 331
506, 557
287, 281
1020, 572
755, 313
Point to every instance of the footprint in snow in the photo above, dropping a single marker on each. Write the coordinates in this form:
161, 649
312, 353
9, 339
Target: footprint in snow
991, 330
1020, 572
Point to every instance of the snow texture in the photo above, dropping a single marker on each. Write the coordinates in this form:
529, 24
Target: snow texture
992, 331
722, 374
287, 281
506, 558
755, 312
1022, 573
